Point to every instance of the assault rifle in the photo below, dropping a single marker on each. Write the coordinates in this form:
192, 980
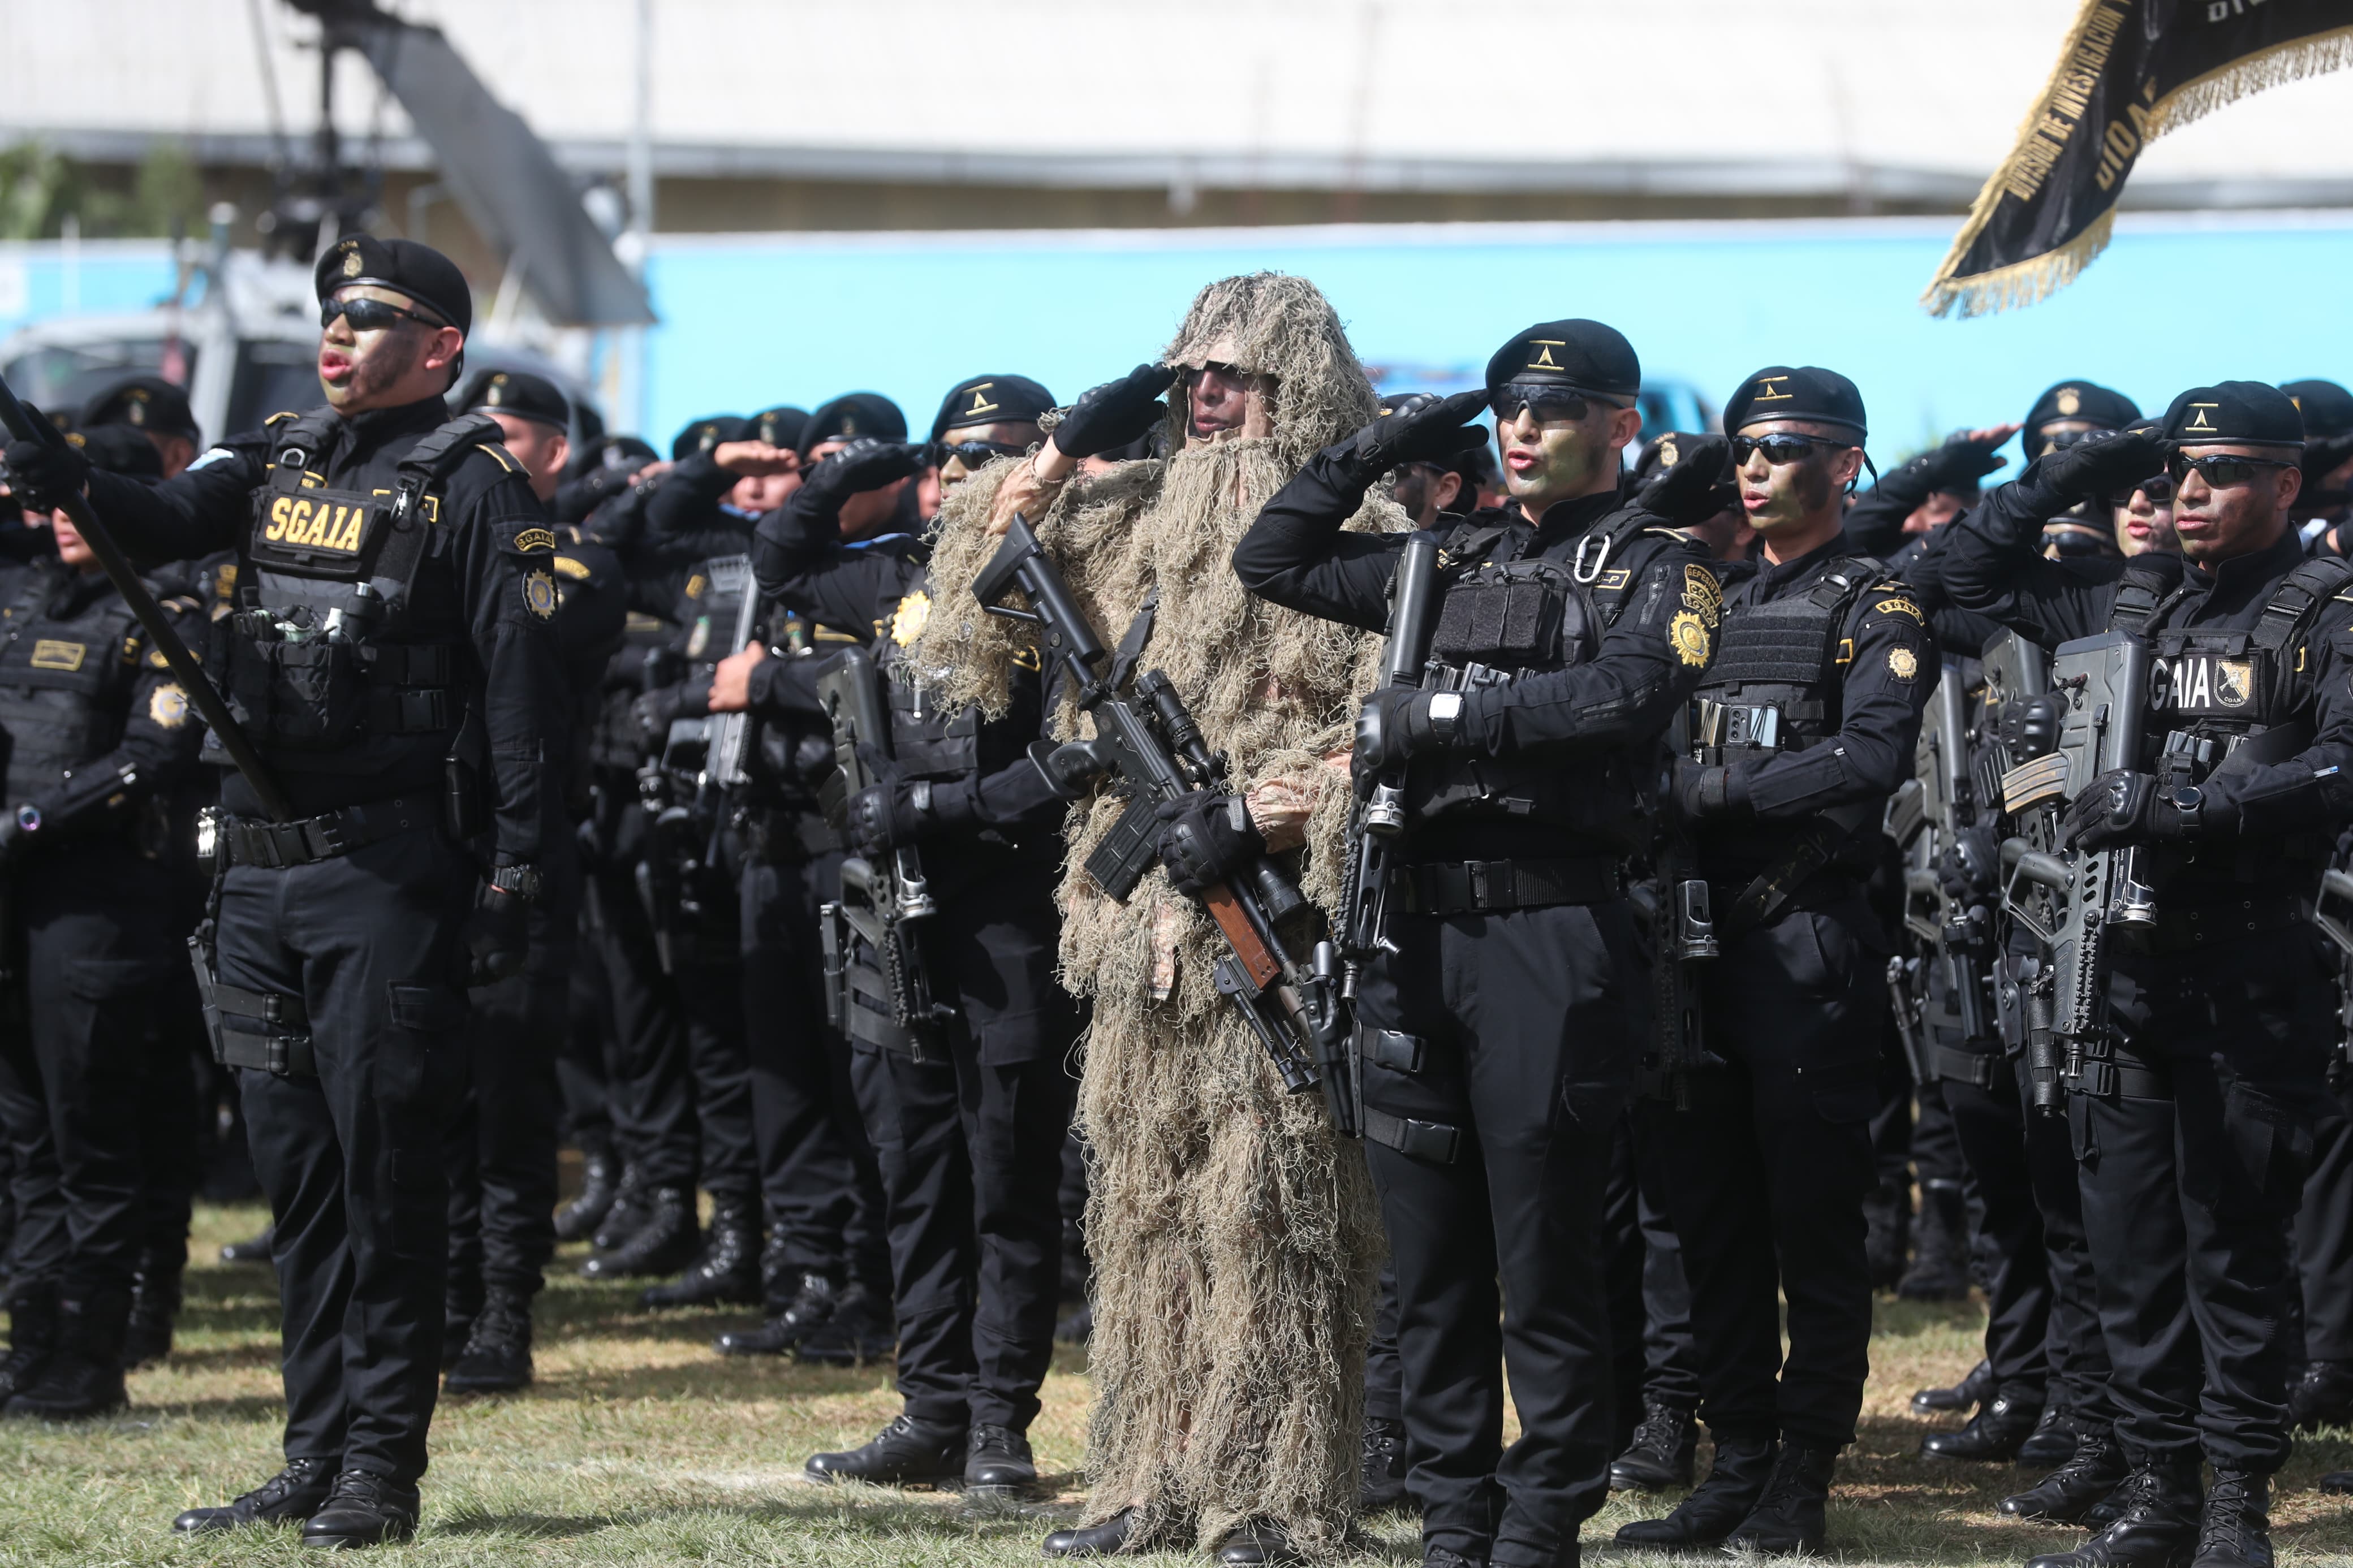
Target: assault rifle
886, 905
1683, 937
1145, 736
684, 790
2332, 911
1953, 933
2102, 682
1379, 818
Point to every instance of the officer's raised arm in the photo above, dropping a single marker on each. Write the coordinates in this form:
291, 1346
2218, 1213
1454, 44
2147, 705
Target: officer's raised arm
835, 551
1994, 565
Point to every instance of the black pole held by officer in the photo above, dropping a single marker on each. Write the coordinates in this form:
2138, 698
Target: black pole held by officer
392, 657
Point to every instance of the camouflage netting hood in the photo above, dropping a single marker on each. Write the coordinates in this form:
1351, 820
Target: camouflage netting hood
1234, 1237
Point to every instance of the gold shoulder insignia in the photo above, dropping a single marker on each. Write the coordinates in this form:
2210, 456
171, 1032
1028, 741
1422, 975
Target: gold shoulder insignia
534, 539
907, 622
1703, 594
1902, 663
1689, 634
539, 594
279, 418
576, 570
696, 584
505, 458
1900, 607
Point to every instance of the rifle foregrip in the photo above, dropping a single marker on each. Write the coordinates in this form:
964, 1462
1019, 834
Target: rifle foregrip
1256, 960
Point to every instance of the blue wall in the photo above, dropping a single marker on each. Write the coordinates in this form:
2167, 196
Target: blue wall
2174, 302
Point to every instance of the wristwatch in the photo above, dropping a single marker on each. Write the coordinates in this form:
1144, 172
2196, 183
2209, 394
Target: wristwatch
1445, 714
2188, 804
523, 881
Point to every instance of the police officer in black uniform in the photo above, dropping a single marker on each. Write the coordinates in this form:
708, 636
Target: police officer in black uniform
503, 1143
968, 1115
2192, 1122
1805, 724
1497, 1043
157, 409
393, 656
98, 735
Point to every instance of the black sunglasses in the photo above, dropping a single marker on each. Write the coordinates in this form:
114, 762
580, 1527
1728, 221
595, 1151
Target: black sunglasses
2221, 472
974, 453
2157, 488
1781, 450
1546, 401
367, 315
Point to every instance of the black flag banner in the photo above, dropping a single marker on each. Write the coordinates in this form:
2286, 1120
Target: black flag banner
2131, 71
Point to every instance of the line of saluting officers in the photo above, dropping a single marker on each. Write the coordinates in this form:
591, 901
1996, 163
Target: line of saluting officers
1637, 1057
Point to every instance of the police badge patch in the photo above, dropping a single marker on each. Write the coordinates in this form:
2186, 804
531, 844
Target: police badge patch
907, 622
1903, 663
539, 594
1688, 633
167, 707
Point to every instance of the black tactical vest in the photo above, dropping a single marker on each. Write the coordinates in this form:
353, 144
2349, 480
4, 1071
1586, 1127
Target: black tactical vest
1500, 621
2216, 694
325, 651
1776, 684
926, 741
64, 681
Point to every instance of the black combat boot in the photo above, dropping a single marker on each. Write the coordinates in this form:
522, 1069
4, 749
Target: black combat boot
600, 1174
906, 1453
2052, 1442
861, 1327
2236, 1531
362, 1509
1259, 1542
1993, 1436
728, 1269
786, 1325
252, 1250
1661, 1454
1966, 1395
84, 1376
154, 1309
1380, 1479
2070, 1492
627, 1212
2336, 1483
32, 1335
1709, 1516
1788, 1517
290, 1496
1887, 1232
1108, 1539
2158, 1528
1940, 1260
997, 1462
2323, 1397
497, 1355
664, 1244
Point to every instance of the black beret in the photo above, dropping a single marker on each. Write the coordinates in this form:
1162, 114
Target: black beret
2100, 405
119, 450
702, 435
1663, 452
610, 452
850, 415
2234, 414
781, 426
419, 271
1586, 355
991, 400
146, 402
2327, 407
1806, 392
518, 392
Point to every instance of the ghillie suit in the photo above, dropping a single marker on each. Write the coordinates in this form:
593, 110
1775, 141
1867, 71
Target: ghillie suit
1235, 1237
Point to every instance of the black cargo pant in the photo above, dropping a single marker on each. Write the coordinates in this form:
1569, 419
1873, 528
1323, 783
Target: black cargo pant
969, 1141
502, 1140
1530, 1023
1768, 1171
90, 1062
2190, 1184
2323, 1229
353, 1160
1990, 1122
817, 1165
1650, 1301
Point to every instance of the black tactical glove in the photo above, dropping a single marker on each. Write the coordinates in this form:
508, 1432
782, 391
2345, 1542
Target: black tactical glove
1970, 871
1702, 790
1206, 840
1695, 486
1421, 430
41, 474
652, 713
1959, 464
498, 936
2105, 463
2030, 726
1394, 725
2120, 806
1115, 413
866, 464
889, 815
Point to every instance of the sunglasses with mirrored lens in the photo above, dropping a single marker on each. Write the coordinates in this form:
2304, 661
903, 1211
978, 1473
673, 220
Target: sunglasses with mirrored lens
1781, 450
370, 315
2157, 488
2219, 471
1549, 403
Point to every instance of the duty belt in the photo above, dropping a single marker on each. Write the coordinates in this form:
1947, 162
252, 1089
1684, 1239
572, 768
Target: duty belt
2106, 1071
1476, 887
247, 841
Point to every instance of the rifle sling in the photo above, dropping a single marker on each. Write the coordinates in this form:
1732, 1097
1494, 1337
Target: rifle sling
1816, 843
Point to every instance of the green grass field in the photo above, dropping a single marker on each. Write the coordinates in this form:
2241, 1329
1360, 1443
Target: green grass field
638, 1445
